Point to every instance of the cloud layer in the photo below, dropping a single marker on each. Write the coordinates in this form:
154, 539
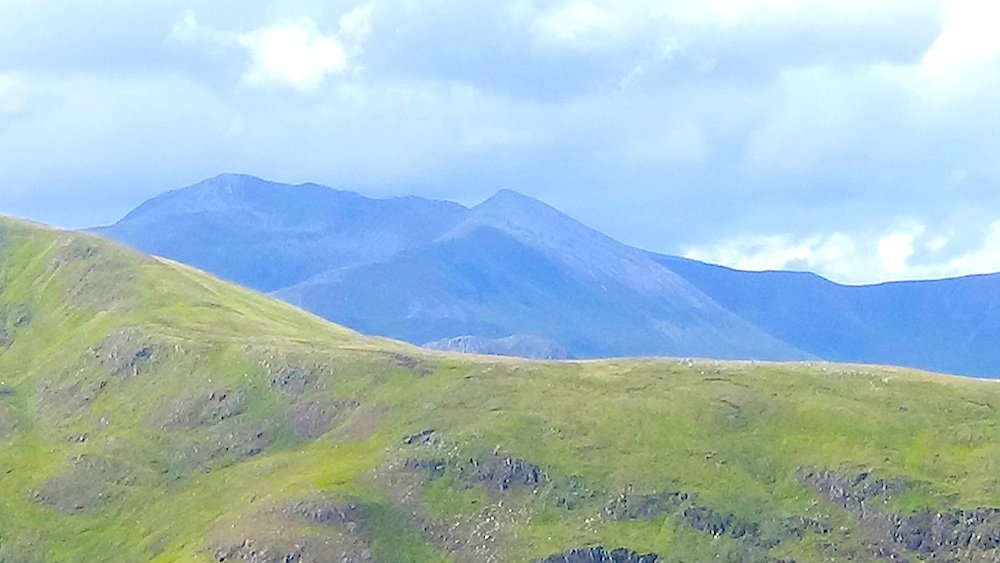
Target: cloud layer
856, 139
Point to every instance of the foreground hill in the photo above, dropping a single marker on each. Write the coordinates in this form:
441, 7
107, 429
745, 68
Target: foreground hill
513, 269
151, 412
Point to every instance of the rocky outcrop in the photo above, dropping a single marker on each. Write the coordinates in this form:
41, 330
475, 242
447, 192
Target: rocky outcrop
499, 472
860, 493
250, 552
632, 505
629, 505
494, 470
599, 554
329, 514
311, 418
13, 318
127, 353
204, 409
413, 365
86, 486
952, 535
341, 538
296, 379
305, 387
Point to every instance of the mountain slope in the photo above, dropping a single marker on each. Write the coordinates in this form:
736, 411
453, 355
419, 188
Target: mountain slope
151, 412
947, 325
517, 266
266, 235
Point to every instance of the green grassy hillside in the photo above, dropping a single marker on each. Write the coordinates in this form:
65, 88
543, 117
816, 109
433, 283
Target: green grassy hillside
151, 412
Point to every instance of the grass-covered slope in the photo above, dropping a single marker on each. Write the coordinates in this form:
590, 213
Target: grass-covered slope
151, 412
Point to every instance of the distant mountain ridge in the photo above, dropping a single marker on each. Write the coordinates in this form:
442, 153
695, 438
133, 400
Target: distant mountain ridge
267, 235
432, 271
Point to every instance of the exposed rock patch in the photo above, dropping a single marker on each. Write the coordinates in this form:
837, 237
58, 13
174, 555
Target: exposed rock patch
953, 535
718, 524
97, 276
295, 550
305, 387
250, 551
599, 554
859, 493
413, 365
424, 437
8, 421
340, 539
295, 379
205, 409
326, 513
519, 345
500, 472
222, 444
433, 467
122, 355
481, 535
362, 426
86, 486
57, 398
570, 492
311, 418
630, 505
13, 318
494, 470
127, 353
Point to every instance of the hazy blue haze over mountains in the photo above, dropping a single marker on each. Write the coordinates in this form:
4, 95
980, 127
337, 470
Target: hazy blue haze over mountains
423, 270
267, 235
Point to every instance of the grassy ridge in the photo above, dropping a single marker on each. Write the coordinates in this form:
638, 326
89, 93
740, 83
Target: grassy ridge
151, 412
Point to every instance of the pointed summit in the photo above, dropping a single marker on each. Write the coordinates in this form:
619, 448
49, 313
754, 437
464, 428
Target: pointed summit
508, 197
523, 216
514, 204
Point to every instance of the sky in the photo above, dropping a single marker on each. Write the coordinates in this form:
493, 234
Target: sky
859, 139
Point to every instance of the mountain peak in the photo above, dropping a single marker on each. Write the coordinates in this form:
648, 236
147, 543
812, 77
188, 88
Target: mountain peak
507, 194
510, 199
231, 180
513, 210
537, 224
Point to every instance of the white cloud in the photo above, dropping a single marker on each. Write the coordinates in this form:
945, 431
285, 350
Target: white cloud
970, 35
858, 258
895, 249
295, 53
575, 23
938, 243
983, 259
355, 27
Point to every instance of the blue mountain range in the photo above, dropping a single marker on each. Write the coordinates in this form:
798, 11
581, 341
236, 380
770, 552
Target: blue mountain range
512, 275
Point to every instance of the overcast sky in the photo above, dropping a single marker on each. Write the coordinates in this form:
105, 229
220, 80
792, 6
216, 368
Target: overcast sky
856, 138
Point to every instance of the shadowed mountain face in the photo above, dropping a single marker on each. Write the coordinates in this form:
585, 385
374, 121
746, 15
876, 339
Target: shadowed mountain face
424, 271
268, 236
517, 266
950, 325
